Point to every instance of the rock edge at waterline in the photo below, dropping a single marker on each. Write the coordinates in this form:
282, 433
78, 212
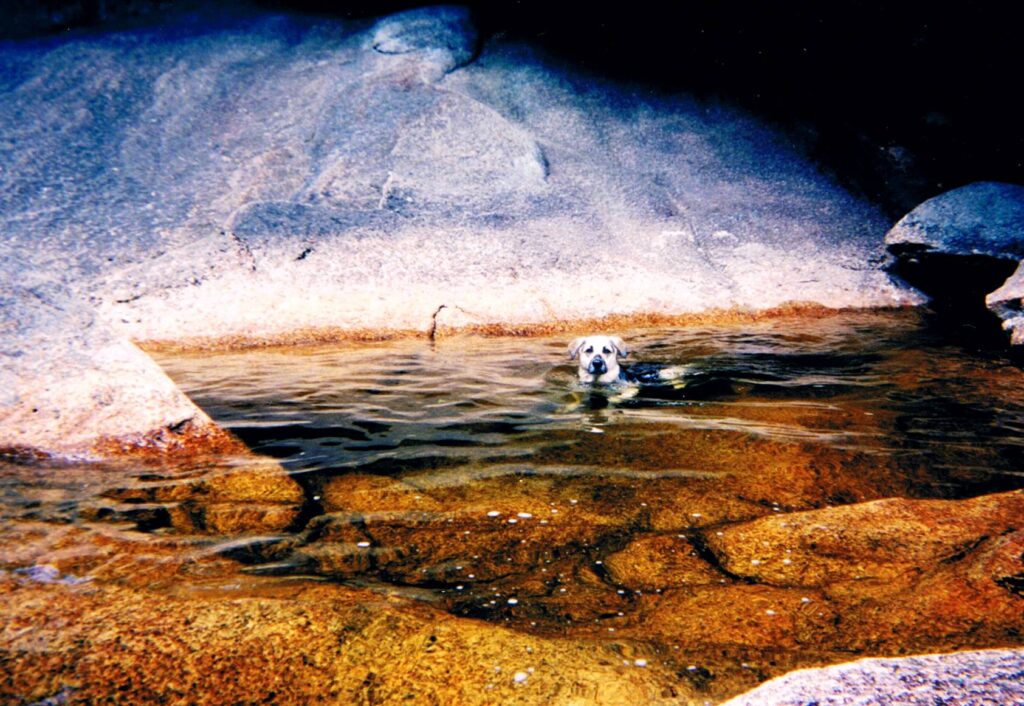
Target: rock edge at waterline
231, 174
965, 249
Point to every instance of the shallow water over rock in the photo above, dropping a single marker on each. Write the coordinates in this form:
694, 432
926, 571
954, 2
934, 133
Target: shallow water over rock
792, 492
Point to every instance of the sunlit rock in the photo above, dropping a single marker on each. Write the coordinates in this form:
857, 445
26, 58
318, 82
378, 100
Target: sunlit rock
983, 677
245, 176
70, 386
867, 542
94, 642
1008, 304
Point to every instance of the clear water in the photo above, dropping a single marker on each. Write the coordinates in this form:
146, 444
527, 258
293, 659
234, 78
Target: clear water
478, 474
945, 420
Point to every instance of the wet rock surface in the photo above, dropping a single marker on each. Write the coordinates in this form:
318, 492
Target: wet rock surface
582, 609
963, 247
450, 520
83, 643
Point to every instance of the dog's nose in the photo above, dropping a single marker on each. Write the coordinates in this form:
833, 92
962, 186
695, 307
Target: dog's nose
597, 364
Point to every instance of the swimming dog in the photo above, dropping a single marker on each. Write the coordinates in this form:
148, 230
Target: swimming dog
598, 358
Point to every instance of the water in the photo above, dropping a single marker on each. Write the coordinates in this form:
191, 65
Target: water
477, 474
946, 421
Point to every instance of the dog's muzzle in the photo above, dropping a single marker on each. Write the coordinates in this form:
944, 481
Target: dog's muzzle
598, 366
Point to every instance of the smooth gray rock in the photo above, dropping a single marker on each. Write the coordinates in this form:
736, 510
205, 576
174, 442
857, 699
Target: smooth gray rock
981, 678
237, 173
983, 218
963, 244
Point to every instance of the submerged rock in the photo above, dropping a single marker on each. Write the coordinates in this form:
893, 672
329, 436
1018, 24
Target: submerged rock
875, 541
318, 644
961, 247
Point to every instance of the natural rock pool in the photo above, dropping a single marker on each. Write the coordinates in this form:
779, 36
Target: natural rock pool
800, 491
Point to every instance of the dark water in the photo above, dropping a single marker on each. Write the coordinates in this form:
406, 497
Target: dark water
885, 384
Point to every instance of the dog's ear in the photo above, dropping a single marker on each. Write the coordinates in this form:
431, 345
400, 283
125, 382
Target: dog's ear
620, 347
574, 347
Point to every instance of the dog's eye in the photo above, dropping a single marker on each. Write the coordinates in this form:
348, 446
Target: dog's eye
606, 351
590, 349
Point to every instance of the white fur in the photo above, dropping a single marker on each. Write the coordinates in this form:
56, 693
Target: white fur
598, 358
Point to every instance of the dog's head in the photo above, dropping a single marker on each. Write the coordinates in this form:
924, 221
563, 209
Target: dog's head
598, 357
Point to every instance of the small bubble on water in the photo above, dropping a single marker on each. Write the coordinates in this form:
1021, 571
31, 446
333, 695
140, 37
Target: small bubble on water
493, 513
524, 515
640, 662
520, 677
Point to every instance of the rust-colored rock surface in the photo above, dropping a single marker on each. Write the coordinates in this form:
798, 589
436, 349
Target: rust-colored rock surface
876, 541
90, 642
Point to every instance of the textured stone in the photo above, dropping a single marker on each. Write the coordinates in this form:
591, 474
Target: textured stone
239, 175
982, 678
873, 541
961, 247
660, 561
85, 643
71, 386
1007, 303
983, 218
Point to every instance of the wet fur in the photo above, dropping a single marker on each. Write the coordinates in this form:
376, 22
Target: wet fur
598, 359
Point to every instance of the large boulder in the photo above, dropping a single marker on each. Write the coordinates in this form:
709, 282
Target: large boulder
70, 386
245, 176
961, 247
